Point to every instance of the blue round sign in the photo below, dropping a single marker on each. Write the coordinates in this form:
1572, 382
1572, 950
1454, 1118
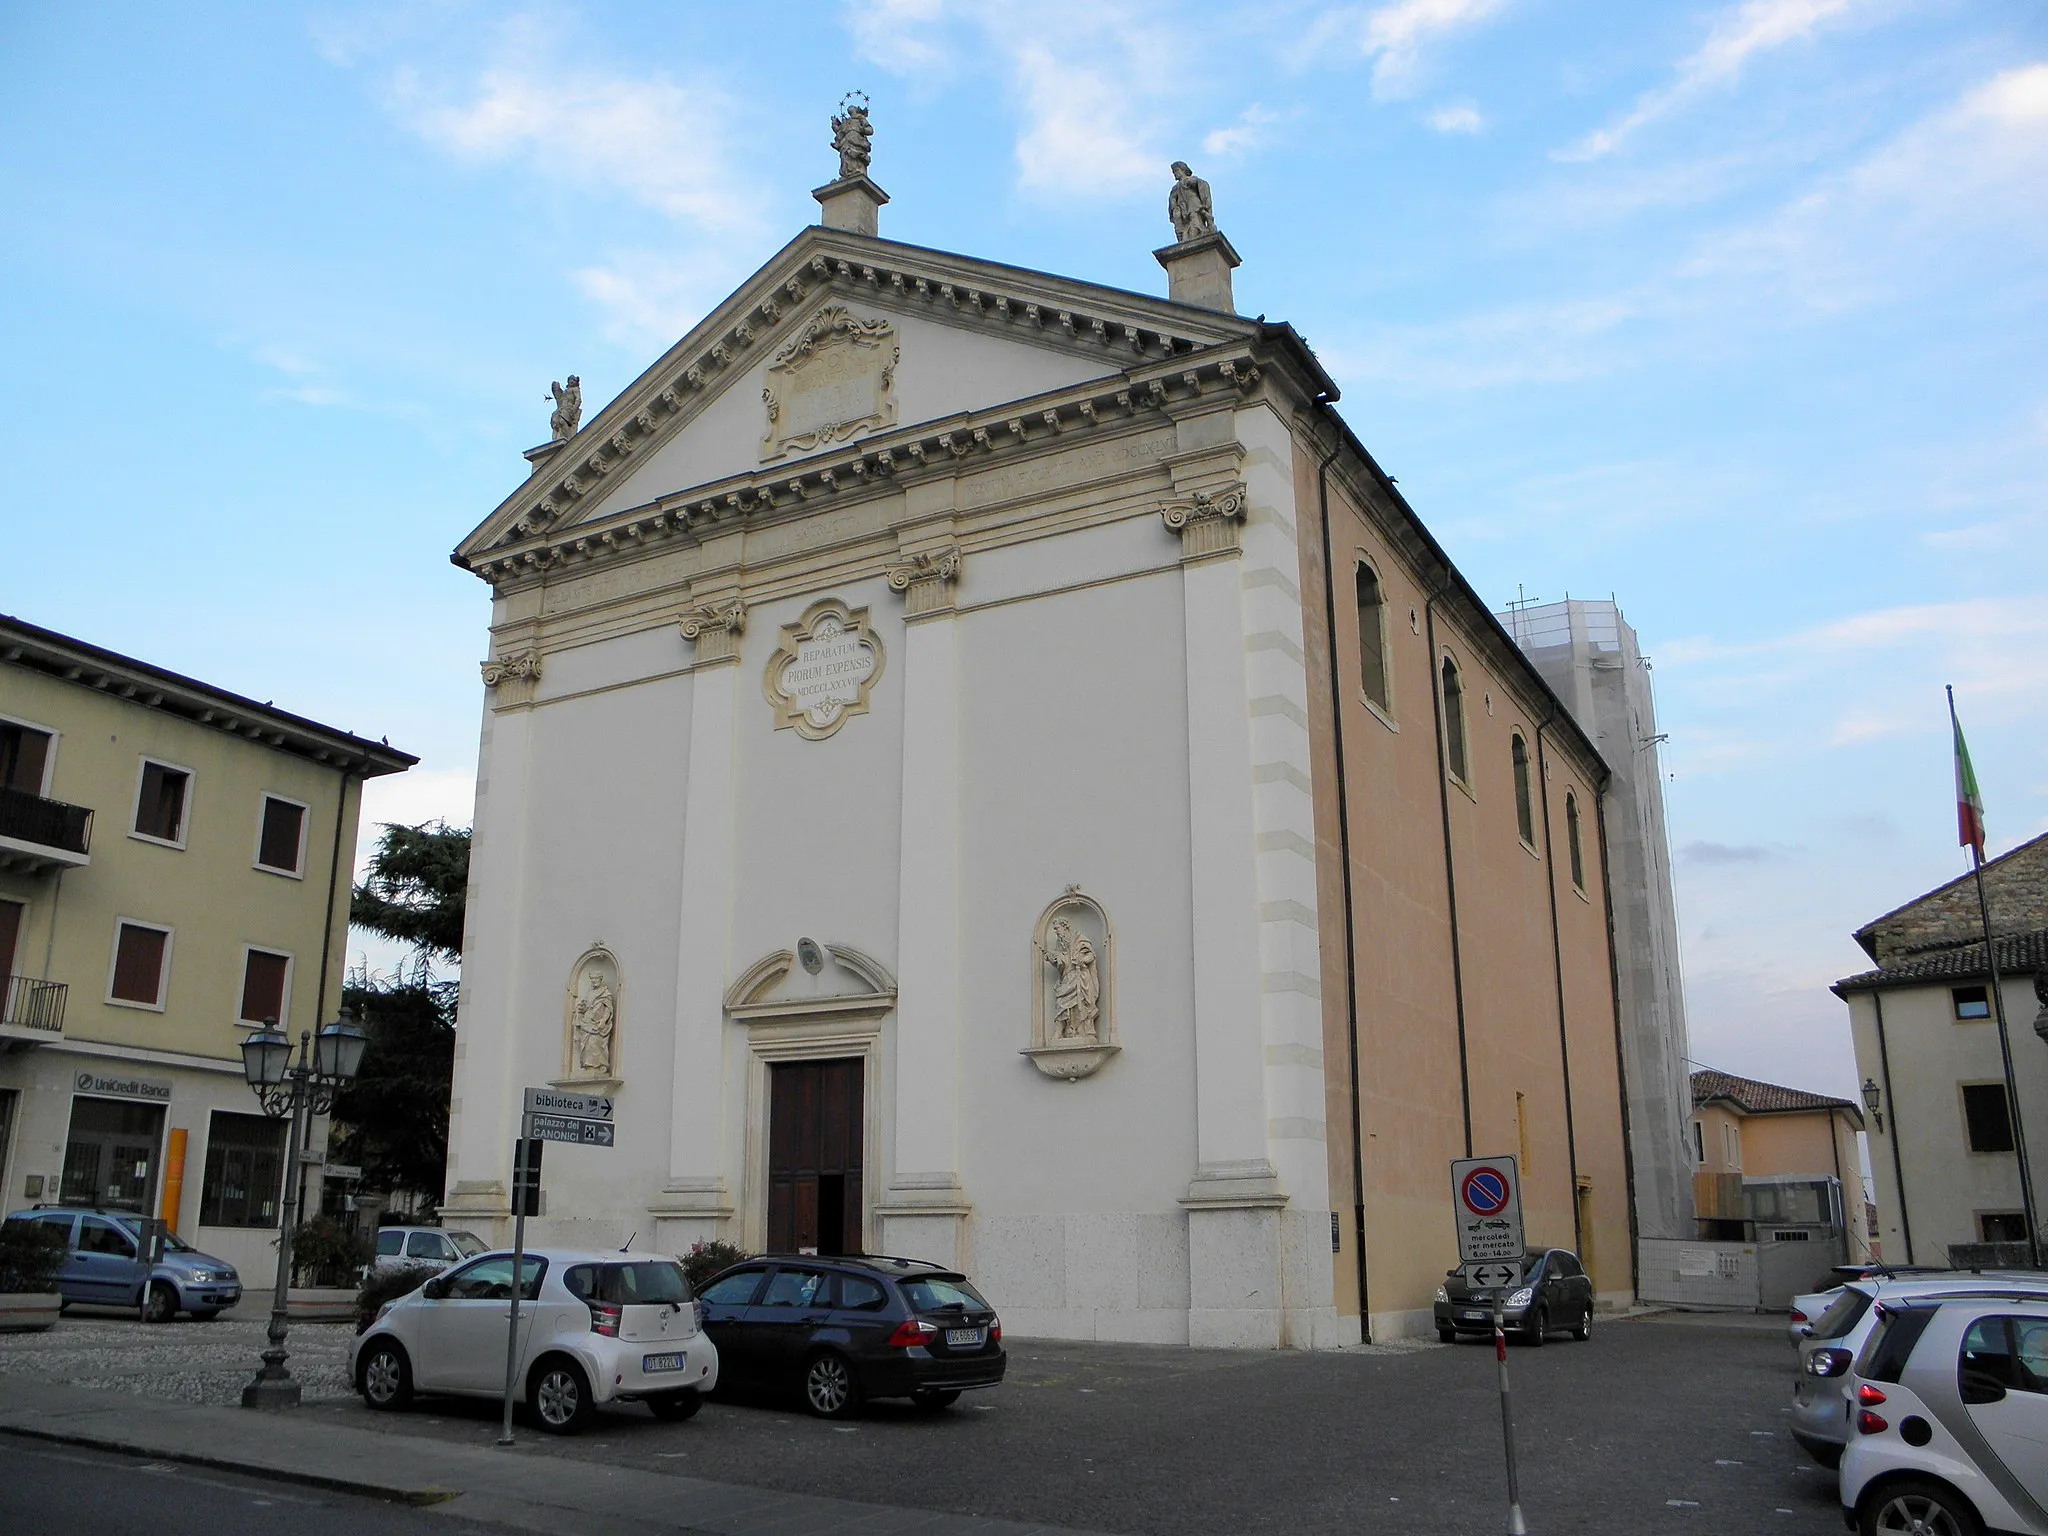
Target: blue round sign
1485, 1191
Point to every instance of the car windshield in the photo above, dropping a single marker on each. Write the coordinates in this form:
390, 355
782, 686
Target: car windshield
172, 1242
468, 1244
933, 1293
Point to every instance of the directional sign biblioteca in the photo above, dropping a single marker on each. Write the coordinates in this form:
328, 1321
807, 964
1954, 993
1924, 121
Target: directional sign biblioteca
1487, 1205
574, 1106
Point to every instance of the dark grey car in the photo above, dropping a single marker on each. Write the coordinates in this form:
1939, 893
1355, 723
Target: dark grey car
1555, 1293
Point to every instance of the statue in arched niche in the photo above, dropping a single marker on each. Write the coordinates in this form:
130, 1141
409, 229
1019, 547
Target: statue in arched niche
591, 1050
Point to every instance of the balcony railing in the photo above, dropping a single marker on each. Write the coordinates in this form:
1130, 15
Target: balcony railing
48, 823
34, 1005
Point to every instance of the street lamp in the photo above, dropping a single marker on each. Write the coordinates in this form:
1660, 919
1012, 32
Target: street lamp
1873, 1100
327, 1062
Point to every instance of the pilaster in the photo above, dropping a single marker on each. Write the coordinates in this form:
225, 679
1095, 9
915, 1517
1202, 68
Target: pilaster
696, 1200
924, 1205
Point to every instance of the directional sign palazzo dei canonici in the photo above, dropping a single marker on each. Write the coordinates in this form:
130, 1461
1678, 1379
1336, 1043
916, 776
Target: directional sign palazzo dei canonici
1488, 1211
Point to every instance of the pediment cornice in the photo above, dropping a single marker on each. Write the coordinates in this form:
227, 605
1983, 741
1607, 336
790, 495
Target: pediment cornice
1149, 335
879, 465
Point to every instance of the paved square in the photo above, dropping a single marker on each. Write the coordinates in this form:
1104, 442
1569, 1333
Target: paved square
1660, 1424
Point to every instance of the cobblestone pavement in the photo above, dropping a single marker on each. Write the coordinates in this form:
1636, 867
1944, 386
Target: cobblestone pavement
190, 1361
1675, 1424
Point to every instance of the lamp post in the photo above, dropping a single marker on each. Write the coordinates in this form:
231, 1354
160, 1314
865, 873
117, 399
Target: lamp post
326, 1062
1873, 1100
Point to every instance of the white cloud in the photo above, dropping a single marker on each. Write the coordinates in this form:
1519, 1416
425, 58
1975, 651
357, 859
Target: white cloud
407, 799
651, 297
1738, 35
1086, 130
1463, 118
1397, 37
1248, 132
642, 136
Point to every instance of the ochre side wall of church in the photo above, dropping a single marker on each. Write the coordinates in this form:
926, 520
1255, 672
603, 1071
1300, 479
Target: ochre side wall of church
1412, 1110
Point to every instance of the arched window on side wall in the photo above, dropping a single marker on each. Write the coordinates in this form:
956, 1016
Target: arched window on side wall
1571, 833
1454, 721
1372, 635
1525, 816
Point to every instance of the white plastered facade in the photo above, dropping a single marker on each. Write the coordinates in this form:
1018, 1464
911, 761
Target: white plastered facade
1093, 678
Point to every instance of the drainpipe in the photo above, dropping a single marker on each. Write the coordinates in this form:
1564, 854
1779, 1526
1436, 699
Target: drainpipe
1350, 921
1443, 793
1628, 1145
1564, 1048
1884, 1068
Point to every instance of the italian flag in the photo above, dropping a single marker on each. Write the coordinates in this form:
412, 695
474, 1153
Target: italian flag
1969, 804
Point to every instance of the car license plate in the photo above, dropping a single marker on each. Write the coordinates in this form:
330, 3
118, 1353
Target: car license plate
1474, 1316
653, 1363
964, 1338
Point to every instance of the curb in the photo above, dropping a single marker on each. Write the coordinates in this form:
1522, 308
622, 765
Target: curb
418, 1498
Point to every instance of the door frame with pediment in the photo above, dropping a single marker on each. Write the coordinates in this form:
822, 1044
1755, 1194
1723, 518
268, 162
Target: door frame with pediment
836, 1026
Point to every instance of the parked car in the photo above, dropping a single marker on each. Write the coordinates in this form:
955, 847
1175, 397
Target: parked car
1805, 1309
1951, 1419
436, 1246
844, 1329
594, 1329
1555, 1292
1823, 1410
105, 1268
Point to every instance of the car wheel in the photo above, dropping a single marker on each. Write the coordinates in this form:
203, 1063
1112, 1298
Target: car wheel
676, 1406
163, 1303
385, 1377
1539, 1328
559, 1394
829, 1388
1585, 1329
1447, 1335
932, 1399
1918, 1507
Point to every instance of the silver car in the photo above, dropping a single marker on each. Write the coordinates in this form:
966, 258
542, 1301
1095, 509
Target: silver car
1821, 1409
434, 1246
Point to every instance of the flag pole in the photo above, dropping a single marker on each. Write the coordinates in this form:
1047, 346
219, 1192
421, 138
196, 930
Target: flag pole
2012, 1092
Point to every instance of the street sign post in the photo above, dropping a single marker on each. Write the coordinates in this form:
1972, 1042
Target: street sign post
549, 1114
1486, 1204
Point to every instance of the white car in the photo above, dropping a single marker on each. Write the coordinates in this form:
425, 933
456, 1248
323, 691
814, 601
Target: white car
1823, 1414
436, 1246
594, 1329
1951, 1405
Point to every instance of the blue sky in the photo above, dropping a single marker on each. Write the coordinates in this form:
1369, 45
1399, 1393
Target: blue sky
1733, 310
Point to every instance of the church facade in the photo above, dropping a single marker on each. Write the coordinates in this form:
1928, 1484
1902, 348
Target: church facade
982, 766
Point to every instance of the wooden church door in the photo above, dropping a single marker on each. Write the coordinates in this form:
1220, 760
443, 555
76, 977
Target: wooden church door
815, 1139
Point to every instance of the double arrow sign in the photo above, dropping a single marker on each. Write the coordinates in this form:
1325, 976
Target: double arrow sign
1492, 1276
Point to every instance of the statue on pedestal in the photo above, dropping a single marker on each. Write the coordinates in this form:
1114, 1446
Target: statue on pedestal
853, 136
1189, 205
568, 409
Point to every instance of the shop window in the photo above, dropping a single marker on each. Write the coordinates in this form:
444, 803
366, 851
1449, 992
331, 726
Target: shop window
244, 1171
2002, 1226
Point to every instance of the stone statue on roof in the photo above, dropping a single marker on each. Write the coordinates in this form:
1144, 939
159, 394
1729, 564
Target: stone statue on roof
1189, 205
853, 136
568, 413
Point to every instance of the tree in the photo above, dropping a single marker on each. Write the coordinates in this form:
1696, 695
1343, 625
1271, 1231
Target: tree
393, 1119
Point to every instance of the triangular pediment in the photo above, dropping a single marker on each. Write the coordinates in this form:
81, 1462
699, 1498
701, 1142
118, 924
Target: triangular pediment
842, 339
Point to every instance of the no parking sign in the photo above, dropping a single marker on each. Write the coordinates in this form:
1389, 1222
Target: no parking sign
1487, 1205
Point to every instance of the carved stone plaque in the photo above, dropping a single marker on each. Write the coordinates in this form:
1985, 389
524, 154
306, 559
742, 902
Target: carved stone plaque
823, 670
832, 381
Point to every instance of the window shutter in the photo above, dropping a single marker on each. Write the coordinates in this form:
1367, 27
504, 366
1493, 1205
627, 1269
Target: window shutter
160, 808
139, 964
263, 987
280, 844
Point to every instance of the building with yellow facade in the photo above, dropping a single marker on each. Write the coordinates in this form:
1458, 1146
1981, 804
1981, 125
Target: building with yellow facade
174, 871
